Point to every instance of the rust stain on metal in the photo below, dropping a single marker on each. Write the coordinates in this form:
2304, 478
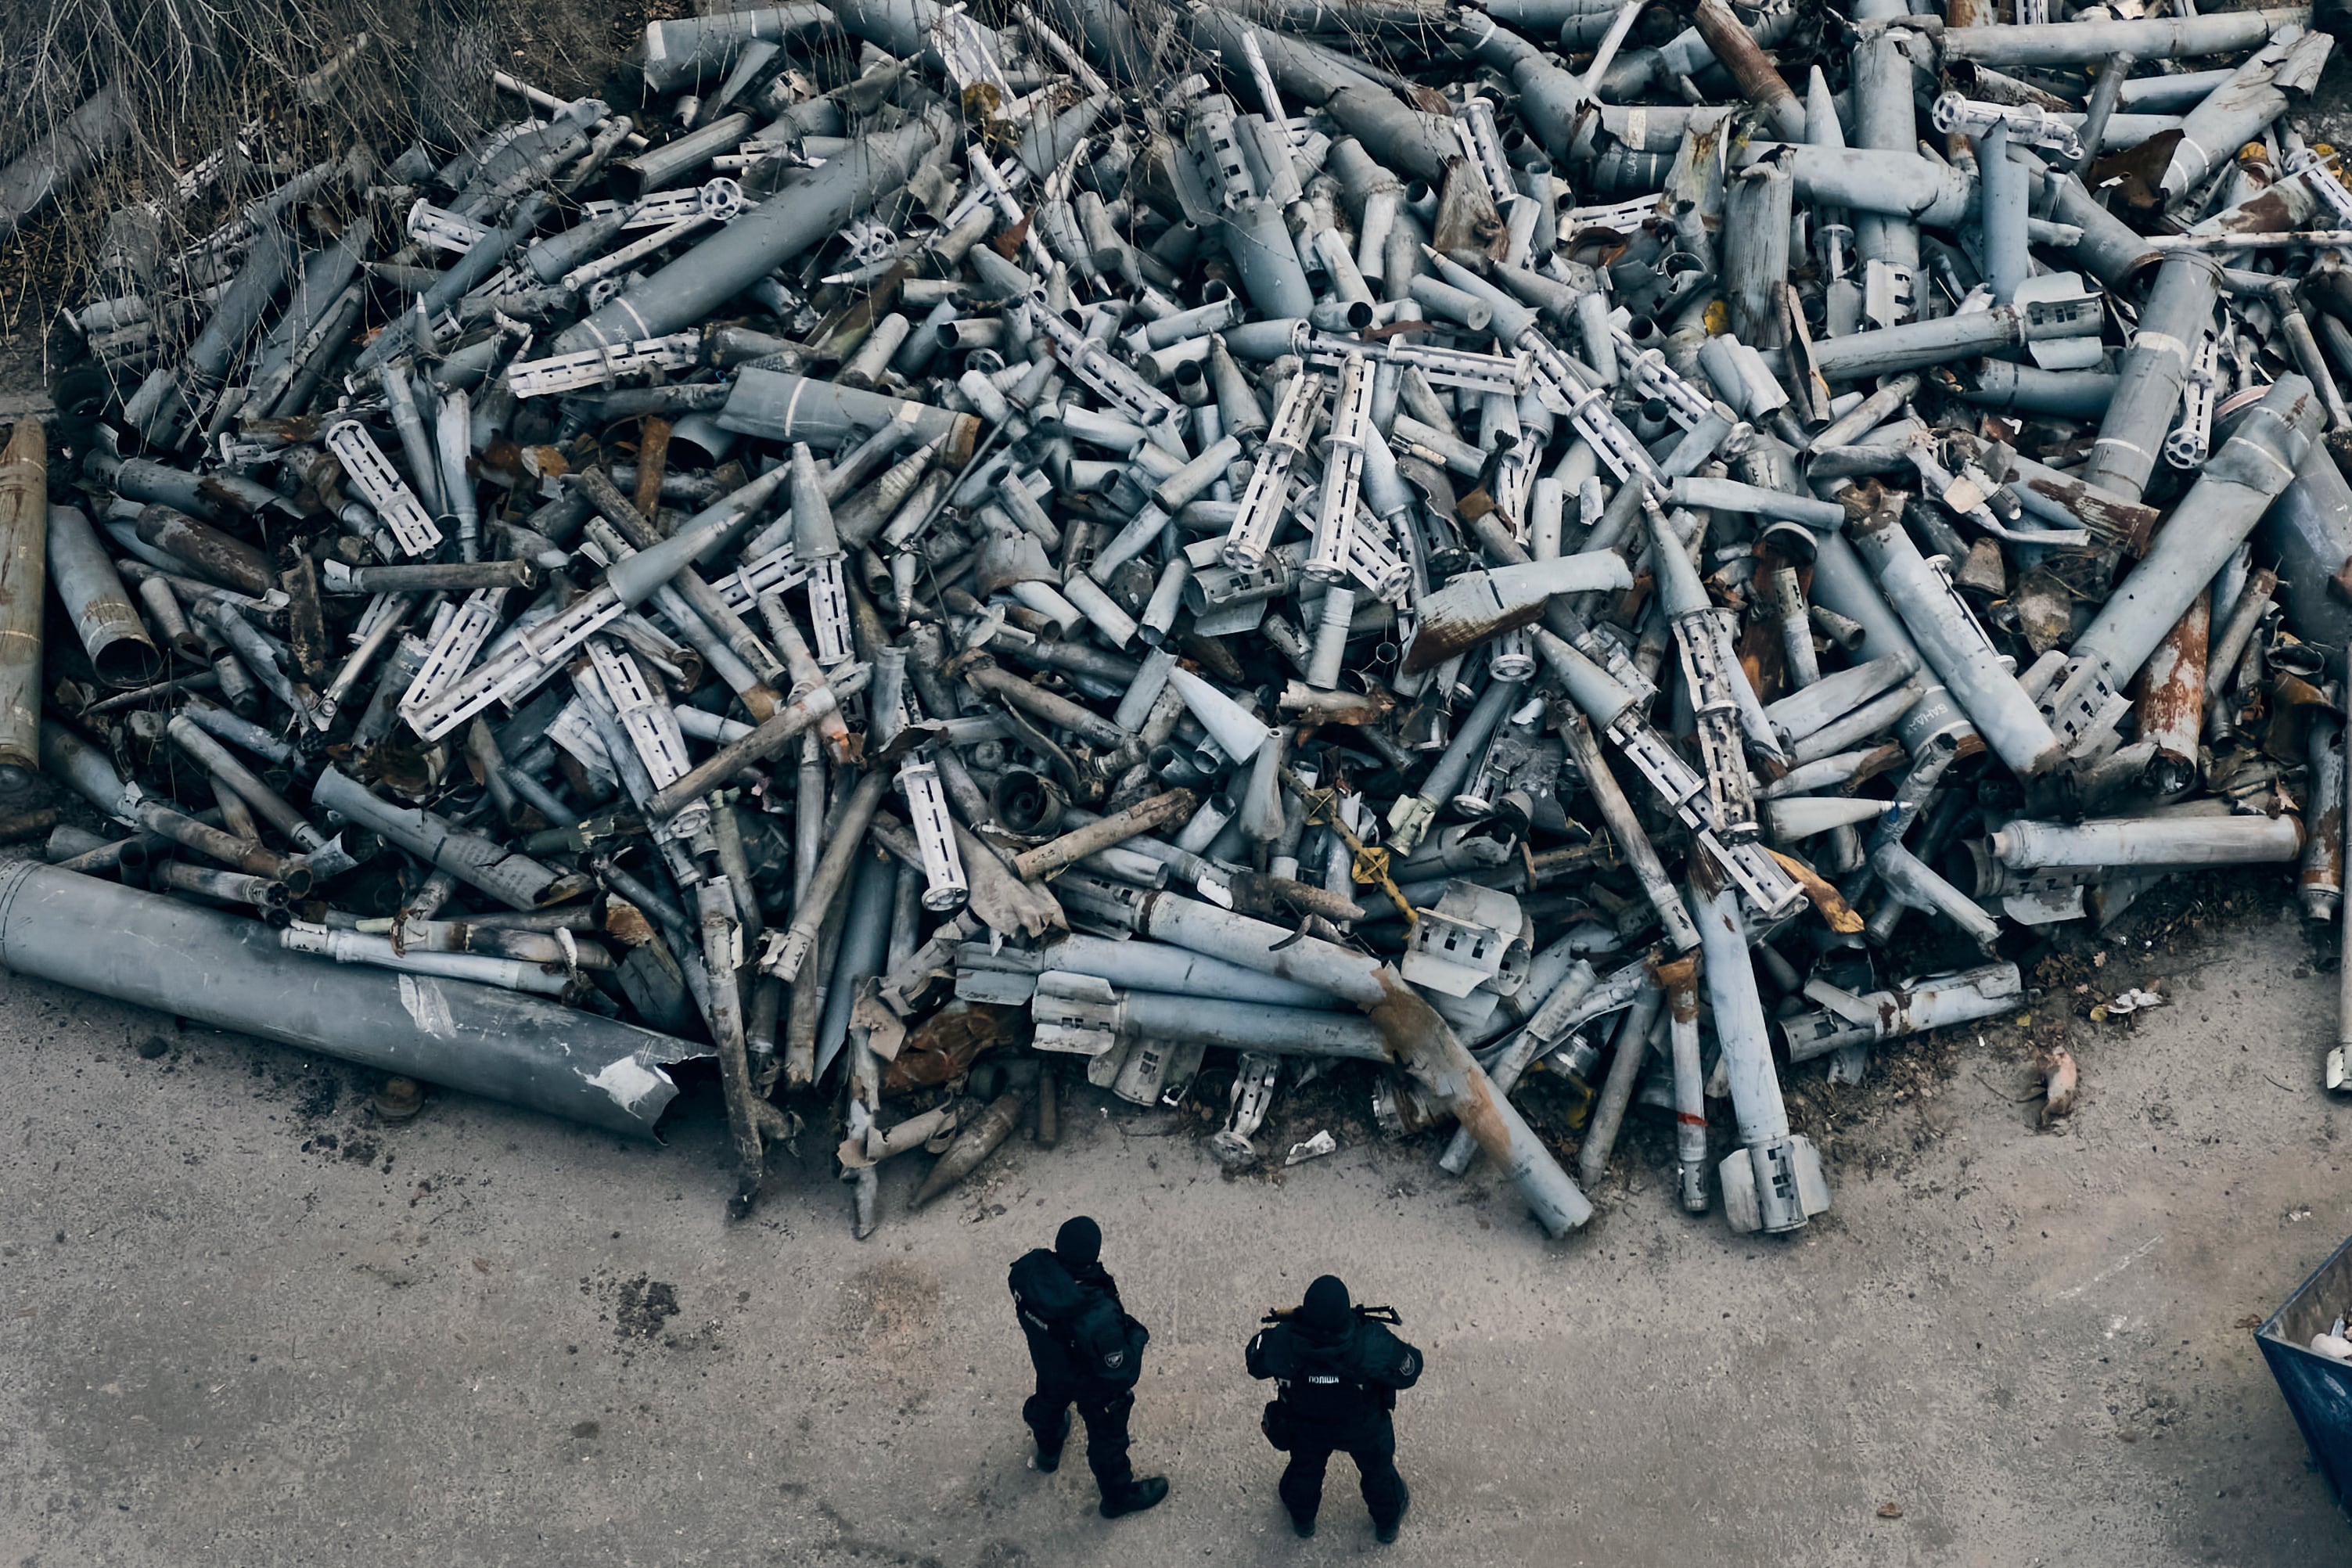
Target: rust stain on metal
1416, 1039
227, 560
2121, 522
1442, 635
1679, 980
2172, 711
306, 624
1742, 56
2266, 214
1834, 909
2137, 170
220, 495
1886, 759
2324, 870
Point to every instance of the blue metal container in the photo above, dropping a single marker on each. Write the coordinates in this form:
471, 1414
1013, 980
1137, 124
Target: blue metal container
2319, 1388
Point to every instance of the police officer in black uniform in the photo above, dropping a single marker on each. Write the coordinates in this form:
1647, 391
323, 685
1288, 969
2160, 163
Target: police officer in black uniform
1088, 1352
1336, 1370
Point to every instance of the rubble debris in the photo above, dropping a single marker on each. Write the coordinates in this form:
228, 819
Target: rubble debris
1314, 1148
1521, 545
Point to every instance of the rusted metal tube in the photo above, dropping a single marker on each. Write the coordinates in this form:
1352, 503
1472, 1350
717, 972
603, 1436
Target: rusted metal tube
2171, 709
24, 560
1679, 981
772, 736
514, 879
1419, 1039
2322, 880
207, 549
209, 753
1736, 50
848, 835
1143, 817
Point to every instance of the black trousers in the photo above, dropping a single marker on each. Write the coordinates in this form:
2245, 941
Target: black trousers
1106, 1419
1374, 1451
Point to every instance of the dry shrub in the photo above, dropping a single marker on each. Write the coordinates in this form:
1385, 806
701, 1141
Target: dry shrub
265, 87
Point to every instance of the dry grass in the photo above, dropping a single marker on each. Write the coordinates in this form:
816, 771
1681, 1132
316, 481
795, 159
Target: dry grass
248, 82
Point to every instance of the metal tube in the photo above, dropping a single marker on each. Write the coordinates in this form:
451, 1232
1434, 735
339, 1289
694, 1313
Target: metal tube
758, 242
2170, 714
2339, 1061
1773, 1182
1419, 1040
2105, 93
2110, 249
231, 973
1859, 355
222, 846
212, 754
24, 556
2309, 529
1679, 983
1576, 1001
2231, 115
1936, 1001
1617, 1090
92, 591
1102, 833
773, 734
516, 880
216, 554
2076, 394
779, 406
1736, 50
2253, 591
1170, 1019
1757, 207
1820, 702
80, 142
1259, 243
2177, 839
1883, 90
848, 836
2236, 486
1912, 883
2071, 43
268, 898
682, 48
1955, 645
2322, 879
1633, 842
2179, 309
2002, 194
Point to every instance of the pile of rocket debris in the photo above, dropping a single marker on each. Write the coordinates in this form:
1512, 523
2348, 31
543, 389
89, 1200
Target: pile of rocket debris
961, 549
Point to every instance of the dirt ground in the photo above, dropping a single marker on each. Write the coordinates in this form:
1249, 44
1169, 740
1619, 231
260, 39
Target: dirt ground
242, 1322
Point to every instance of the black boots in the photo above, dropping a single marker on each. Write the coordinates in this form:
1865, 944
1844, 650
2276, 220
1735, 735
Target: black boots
1048, 1461
1388, 1532
1134, 1497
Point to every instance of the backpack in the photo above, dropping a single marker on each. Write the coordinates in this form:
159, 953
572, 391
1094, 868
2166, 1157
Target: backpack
1107, 1343
1103, 1342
